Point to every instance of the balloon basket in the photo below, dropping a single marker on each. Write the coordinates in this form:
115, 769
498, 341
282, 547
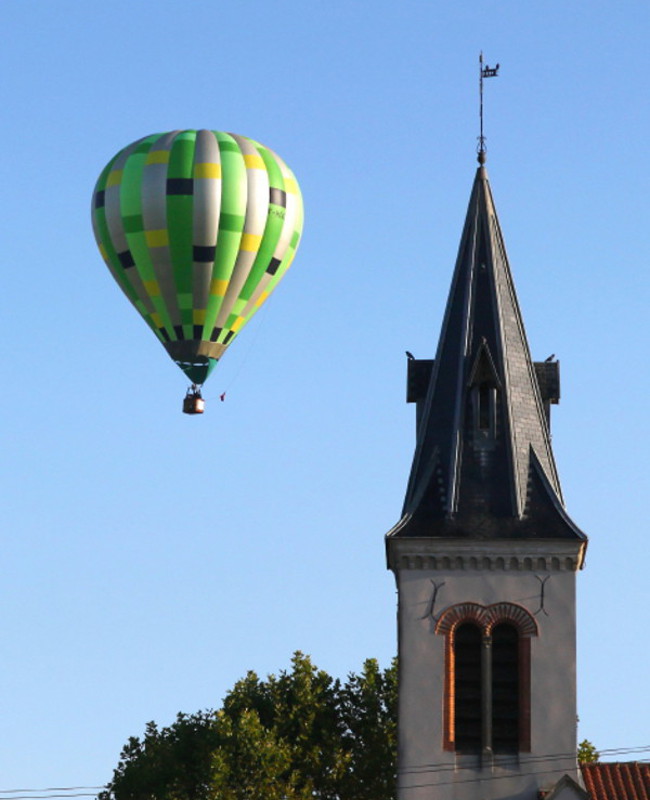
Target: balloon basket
193, 403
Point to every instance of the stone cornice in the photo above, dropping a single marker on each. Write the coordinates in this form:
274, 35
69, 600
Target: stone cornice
506, 555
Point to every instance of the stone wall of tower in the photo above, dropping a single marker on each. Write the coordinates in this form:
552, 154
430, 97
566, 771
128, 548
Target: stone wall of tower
484, 574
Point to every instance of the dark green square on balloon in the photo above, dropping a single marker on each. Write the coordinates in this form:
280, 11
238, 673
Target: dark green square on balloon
231, 222
133, 223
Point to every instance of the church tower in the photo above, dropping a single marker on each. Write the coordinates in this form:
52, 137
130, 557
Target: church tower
485, 555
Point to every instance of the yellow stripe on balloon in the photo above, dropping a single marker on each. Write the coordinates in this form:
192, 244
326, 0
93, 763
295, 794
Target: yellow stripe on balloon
158, 238
198, 316
114, 178
253, 161
218, 287
250, 242
152, 288
207, 170
157, 157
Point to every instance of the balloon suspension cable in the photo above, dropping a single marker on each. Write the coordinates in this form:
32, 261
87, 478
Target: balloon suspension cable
483, 72
259, 322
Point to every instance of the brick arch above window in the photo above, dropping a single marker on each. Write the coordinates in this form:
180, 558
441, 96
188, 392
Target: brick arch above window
486, 617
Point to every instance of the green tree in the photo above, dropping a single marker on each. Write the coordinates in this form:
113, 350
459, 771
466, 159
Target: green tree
168, 763
587, 752
252, 763
368, 707
295, 736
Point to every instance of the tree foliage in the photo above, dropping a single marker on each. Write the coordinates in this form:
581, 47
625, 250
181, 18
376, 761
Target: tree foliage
587, 752
295, 736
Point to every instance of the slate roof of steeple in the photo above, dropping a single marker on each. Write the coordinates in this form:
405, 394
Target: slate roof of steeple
483, 465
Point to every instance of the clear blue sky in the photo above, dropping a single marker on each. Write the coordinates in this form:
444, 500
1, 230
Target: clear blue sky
148, 558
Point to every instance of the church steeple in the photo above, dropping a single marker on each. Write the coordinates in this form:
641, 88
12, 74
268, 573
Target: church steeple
485, 555
483, 463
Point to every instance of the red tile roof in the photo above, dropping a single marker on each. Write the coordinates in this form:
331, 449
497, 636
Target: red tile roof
617, 781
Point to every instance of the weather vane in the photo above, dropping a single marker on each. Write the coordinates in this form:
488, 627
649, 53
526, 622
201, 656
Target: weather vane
484, 72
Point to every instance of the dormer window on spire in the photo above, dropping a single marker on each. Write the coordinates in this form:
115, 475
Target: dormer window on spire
484, 385
484, 403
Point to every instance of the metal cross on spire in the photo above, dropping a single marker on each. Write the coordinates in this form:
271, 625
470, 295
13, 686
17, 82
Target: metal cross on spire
484, 72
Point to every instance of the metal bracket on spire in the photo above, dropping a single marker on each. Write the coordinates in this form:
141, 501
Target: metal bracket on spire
484, 72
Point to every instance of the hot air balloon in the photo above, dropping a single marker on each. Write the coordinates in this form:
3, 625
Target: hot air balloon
197, 228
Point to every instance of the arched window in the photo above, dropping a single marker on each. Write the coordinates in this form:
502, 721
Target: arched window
487, 683
484, 385
467, 688
485, 403
505, 689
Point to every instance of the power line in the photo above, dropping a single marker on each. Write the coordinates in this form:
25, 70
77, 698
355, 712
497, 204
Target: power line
446, 766
50, 792
51, 789
486, 778
58, 792
9, 796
